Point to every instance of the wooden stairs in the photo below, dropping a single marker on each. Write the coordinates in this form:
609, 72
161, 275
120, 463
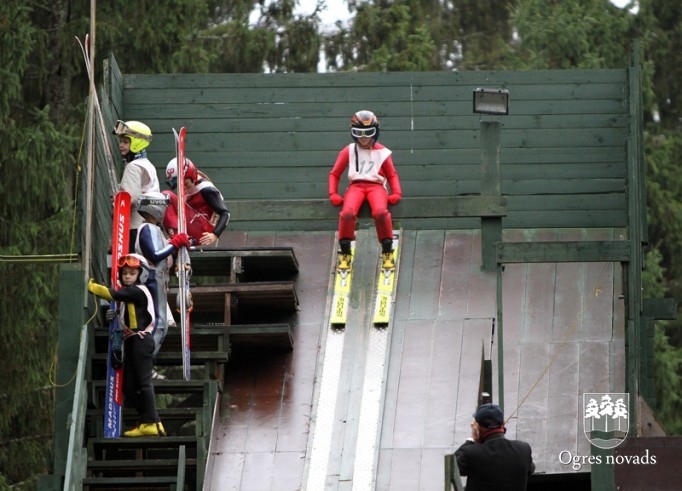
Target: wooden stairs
254, 287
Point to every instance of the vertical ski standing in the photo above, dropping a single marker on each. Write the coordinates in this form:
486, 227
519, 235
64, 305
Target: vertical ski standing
113, 399
386, 287
183, 265
341, 297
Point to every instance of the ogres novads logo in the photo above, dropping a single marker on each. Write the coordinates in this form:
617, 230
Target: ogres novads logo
606, 418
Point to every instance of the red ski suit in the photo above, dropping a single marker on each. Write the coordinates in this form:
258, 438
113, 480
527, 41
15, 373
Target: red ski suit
368, 172
205, 211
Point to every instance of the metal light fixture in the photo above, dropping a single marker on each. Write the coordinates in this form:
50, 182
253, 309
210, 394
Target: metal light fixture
491, 101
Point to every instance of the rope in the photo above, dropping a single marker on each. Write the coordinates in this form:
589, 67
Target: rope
53, 366
111, 166
40, 258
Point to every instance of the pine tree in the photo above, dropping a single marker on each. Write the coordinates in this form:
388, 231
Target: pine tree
661, 22
35, 148
570, 34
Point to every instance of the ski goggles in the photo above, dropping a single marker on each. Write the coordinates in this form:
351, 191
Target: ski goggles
360, 132
130, 261
122, 129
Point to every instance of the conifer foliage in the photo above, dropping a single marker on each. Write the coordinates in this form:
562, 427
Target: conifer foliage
36, 154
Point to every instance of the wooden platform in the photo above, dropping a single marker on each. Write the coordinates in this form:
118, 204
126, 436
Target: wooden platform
212, 298
266, 337
248, 290
249, 263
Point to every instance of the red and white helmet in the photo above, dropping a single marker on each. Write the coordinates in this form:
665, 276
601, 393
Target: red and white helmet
172, 172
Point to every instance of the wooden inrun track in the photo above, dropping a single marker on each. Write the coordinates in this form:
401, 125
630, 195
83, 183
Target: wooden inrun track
563, 336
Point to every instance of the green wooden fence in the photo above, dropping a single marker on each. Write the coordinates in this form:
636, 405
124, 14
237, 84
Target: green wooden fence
268, 141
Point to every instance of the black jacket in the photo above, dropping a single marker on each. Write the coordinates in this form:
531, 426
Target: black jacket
496, 464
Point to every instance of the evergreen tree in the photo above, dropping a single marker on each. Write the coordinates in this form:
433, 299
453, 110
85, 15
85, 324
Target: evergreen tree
668, 358
485, 31
661, 22
420, 35
36, 147
278, 41
570, 34
384, 36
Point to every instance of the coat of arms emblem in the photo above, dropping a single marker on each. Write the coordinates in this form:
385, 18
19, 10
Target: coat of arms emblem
606, 418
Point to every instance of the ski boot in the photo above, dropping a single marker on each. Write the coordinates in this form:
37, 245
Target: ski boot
147, 429
387, 261
343, 263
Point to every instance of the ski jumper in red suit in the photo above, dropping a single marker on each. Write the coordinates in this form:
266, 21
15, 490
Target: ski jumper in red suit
369, 169
205, 211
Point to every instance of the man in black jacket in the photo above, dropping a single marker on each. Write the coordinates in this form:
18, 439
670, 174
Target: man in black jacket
488, 459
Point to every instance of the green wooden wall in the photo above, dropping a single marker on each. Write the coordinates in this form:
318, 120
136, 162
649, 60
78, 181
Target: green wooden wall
274, 138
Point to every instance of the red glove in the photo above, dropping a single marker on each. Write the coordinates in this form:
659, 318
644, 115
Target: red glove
180, 240
336, 199
393, 199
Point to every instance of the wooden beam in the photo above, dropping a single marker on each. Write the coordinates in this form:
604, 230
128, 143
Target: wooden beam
660, 308
556, 252
321, 209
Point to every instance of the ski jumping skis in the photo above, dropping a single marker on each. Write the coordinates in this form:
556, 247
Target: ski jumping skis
113, 398
183, 265
386, 287
341, 296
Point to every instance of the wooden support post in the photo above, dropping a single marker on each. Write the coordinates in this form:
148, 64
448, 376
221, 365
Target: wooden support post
227, 317
491, 227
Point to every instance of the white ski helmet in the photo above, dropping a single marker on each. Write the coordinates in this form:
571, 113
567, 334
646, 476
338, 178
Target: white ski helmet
134, 261
153, 203
172, 172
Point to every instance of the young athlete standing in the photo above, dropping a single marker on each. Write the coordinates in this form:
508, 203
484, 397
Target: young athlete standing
139, 174
137, 318
152, 244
